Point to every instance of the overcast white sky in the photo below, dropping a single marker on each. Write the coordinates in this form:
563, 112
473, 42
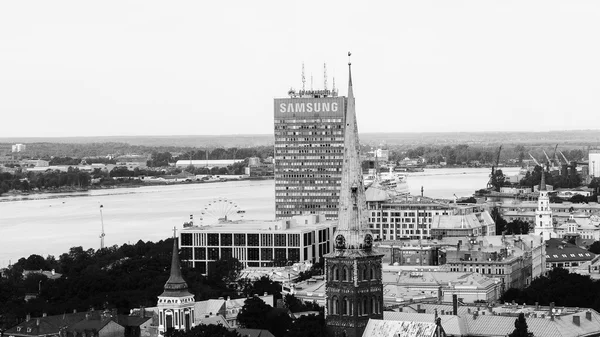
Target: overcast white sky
77, 68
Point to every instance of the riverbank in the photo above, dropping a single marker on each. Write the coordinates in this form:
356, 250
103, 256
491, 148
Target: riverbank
69, 191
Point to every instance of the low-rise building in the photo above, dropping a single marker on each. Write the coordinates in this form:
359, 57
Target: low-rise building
255, 243
583, 228
561, 254
499, 321
207, 163
462, 225
514, 260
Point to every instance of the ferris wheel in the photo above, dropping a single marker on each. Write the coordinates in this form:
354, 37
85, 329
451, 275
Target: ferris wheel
220, 210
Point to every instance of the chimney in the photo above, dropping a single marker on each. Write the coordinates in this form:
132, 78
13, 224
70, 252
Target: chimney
44, 314
74, 311
537, 305
265, 294
143, 312
588, 315
576, 320
551, 307
454, 304
87, 316
37, 321
418, 307
27, 318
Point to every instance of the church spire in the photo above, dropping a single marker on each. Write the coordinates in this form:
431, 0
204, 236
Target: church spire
176, 285
543, 182
352, 217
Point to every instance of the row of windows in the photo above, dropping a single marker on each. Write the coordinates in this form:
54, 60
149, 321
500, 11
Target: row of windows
344, 273
309, 139
312, 175
344, 305
400, 220
253, 254
286, 212
322, 170
315, 163
340, 157
308, 127
307, 194
311, 150
335, 187
329, 200
239, 239
318, 145
305, 206
308, 133
304, 121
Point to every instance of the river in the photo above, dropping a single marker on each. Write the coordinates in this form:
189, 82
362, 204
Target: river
50, 224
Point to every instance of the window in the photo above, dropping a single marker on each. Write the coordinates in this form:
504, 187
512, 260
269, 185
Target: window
345, 274
280, 240
253, 240
186, 239
239, 239
226, 240
200, 253
213, 239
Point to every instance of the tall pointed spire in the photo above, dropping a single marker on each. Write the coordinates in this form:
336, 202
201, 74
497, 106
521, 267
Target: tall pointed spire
176, 285
543, 181
352, 229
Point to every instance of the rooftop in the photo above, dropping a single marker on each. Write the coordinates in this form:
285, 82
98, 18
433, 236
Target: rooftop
297, 222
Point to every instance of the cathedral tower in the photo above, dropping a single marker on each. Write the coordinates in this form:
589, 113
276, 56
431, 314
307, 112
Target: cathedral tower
543, 213
353, 270
175, 304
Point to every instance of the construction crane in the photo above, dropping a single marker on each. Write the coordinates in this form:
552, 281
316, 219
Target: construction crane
547, 161
494, 167
555, 157
534, 160
565, 158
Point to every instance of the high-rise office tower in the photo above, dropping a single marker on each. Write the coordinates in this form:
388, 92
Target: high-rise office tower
309, 146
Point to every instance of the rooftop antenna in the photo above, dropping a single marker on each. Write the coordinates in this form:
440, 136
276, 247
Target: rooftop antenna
333, 89
102, 235
325, 75
303, 78
311, 82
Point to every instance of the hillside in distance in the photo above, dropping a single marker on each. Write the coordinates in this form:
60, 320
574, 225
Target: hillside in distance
574, 138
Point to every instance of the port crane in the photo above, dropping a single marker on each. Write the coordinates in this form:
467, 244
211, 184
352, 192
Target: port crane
548, 161
565, 158
535, 160
555, 157
494, 167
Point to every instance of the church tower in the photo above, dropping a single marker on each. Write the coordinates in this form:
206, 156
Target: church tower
353, 270
543, 213
175, 304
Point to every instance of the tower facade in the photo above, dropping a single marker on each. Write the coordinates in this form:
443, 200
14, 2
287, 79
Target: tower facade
353, 287
309, 142
543, 213
175, 304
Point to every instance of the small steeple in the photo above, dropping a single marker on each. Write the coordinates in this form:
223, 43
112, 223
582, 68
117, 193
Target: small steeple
176, 285
543, 182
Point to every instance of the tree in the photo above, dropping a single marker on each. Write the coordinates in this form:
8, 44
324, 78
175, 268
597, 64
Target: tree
595, 247
254, 314
517, 227
498, 180
521, 327
203, 330
226, 270
501, 224
308, 326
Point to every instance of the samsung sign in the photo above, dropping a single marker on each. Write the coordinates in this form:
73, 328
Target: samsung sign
309, 106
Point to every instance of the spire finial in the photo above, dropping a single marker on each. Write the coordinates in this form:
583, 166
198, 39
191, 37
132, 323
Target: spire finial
543, 181
174, 232
349, 69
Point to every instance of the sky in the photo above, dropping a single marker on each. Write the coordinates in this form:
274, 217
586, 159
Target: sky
83, 68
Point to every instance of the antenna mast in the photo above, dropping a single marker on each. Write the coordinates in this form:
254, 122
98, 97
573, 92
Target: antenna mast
311, 82
325, 76
102, 235
303, 78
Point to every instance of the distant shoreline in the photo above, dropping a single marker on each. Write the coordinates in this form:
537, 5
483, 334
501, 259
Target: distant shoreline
73, 192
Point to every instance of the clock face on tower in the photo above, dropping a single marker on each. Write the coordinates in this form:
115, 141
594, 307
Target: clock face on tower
368, 241
340, 242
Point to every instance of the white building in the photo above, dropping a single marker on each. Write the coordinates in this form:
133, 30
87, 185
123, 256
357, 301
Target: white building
543, 214
302, 238
594, 163
19, 148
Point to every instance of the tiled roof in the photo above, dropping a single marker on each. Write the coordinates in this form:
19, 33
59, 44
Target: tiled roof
125, 320
45, 325
451, 324
558, 251
382, 328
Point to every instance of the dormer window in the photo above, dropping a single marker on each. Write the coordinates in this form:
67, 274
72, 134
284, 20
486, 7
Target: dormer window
28, 329
18, 329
